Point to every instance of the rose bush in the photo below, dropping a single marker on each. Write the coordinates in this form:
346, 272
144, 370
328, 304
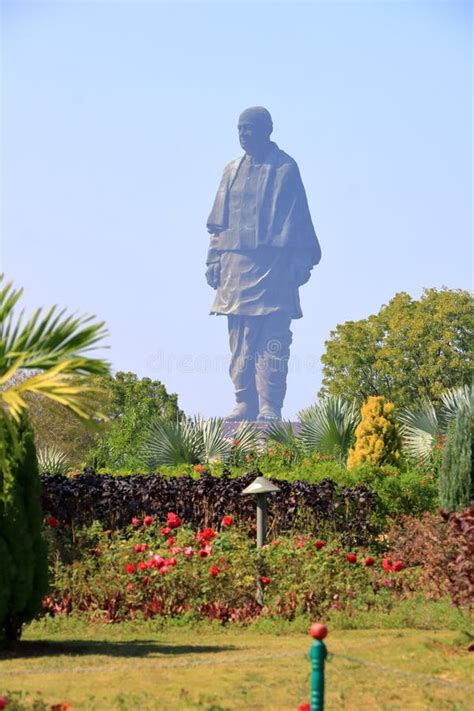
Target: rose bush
144, 571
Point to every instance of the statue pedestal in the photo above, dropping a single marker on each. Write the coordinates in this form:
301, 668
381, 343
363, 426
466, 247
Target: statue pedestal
230, 428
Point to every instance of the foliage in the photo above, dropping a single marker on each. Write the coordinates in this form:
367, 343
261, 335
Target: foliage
282, 436
328, 427
377, 435
51, 350
298, 505
425, 426
52, 460
441, 550
57, 427
428, 338
22, 549
162, 568
456, 476
132, 404
51, 345
195, 441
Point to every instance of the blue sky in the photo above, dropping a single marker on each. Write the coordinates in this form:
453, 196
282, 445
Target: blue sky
118, 118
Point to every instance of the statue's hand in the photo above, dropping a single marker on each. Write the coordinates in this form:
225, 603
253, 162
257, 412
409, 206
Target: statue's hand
213, 274
299, 274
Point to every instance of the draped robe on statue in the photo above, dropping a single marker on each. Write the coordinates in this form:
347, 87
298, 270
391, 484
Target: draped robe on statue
261, 234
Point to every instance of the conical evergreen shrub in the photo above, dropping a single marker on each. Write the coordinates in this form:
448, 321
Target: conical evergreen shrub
456, 477
378, 440
23, 551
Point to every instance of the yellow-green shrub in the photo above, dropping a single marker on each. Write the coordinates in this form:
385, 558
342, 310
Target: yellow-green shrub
377, 436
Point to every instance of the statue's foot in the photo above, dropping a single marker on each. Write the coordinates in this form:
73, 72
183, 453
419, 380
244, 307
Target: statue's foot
269, 414
241, 412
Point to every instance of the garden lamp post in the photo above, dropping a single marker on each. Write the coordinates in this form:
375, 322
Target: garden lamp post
260, 488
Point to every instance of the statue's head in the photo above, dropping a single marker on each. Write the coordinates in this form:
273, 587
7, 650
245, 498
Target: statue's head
255, 127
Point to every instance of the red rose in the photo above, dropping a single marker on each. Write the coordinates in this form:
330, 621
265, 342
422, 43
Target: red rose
207, 535
319, 544
172, 561
202, 553
148, 520
264, 580
398, 565
3, 702
214, 571
52, 522
171, 541
387, 564
129, 568
369, 561
173, 520
351, 558
137, 548
135, 522
304, 707
166, 531
227, 521
142, 565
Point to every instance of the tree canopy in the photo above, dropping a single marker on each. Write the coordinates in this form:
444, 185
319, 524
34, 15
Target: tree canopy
132, 404
411, 350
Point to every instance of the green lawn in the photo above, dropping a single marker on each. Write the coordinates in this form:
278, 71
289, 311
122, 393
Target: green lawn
140, 666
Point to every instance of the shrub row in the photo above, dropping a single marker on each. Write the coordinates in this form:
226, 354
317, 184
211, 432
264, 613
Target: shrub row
113, 501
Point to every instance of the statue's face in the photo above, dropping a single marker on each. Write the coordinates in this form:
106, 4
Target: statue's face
253, 136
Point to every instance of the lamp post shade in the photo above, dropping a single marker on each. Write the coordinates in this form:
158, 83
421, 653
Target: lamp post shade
260, 485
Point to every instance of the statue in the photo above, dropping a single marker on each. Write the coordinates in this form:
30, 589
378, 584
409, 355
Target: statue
262, 249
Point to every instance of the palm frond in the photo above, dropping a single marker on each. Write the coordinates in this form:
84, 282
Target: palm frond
171, 443
328, 426
51, 460
422, 425
247, 437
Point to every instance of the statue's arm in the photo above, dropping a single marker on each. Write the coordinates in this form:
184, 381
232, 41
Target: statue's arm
213, 263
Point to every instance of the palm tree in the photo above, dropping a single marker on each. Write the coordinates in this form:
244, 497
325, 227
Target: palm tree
51, 347
425, 425
329, 425
194, 441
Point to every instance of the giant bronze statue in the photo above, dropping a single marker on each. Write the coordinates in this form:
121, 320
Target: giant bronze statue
262, 249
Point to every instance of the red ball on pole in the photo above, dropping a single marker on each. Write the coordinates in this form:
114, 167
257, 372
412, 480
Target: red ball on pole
318, 630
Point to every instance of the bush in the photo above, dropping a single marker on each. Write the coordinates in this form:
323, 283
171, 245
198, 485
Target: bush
168, 570
440, 548
377, 436
456, 472
113, 501
22, 549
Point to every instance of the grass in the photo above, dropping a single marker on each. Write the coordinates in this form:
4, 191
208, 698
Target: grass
264, 667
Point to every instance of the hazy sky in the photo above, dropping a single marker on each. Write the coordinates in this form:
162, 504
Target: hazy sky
118, 118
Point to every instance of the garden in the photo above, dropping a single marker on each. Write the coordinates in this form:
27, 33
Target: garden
131, 575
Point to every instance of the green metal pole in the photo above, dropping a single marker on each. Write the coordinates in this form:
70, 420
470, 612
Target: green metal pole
317, 654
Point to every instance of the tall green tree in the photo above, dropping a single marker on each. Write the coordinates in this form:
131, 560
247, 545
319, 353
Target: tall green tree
456, 476
411, 350
50, 350
132, 405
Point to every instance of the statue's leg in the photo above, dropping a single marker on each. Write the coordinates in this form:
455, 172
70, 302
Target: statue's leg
273, 352
242, 366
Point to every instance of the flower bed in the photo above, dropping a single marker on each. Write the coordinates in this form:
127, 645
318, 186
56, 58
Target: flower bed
163, 568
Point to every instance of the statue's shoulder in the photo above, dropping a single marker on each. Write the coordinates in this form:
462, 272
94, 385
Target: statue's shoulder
231, 167
281, 159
